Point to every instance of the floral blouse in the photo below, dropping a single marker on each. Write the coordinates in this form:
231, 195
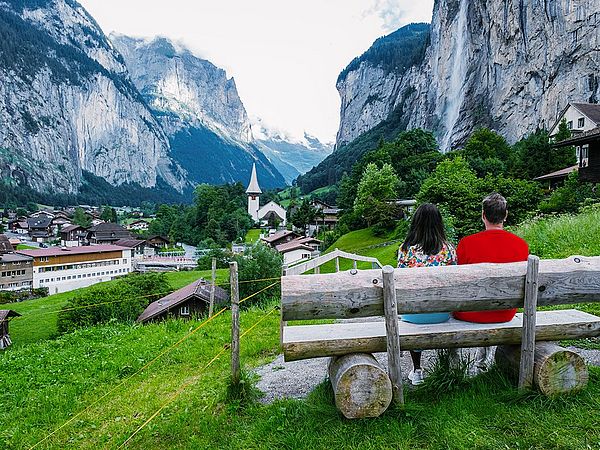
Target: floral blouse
414, 257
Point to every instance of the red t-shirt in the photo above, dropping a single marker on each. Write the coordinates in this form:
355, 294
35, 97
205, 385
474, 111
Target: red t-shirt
491, 246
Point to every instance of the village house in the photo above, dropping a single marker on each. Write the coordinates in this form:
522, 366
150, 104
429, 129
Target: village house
5, 316
73, 236
299, 249
583, 119
67, 268
186, 302
16, 271
139, 247
158, 242
107, 233
18, 226
280, 237
40, 228
139, 225
327, 216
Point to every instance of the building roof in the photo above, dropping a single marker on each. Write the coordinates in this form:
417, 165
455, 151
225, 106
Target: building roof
39, 222
7, 314
129, 243
580, 138
107, 231
253, 187
277, 236
591, 110
199, 289
159, 237
14, 257
562, 173
61, 251
5, 245
291, 246
69, 228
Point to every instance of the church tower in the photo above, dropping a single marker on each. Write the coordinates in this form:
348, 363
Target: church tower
253, 192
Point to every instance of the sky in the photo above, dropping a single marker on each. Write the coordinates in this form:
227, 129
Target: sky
285, 55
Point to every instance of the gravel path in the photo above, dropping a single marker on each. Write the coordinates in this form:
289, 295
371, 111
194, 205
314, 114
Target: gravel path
298, 378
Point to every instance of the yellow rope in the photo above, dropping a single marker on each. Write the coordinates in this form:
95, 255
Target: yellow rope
189, 382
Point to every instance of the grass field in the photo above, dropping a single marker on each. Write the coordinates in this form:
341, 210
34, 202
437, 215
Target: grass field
253, 235
38, 319
25, 247
94, 371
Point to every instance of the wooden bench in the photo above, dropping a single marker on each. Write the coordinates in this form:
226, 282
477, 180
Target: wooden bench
361, 386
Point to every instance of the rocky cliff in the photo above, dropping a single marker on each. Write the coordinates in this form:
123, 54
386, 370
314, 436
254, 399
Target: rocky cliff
508, 65
200, 110
67, 104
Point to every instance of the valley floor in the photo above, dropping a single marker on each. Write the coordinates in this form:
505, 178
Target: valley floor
101, 384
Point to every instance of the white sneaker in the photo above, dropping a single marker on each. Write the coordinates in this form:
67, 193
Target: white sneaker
416, 377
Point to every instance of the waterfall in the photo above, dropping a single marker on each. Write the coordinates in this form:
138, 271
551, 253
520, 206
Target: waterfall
456, 83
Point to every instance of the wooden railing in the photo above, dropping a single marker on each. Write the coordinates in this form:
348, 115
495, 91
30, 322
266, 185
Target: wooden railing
315, 264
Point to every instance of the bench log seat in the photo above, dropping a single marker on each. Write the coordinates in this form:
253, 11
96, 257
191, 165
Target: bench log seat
314, 341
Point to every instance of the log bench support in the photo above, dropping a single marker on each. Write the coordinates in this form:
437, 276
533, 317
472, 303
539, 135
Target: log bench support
361, 386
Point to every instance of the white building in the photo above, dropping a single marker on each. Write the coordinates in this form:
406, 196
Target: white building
65, 269
580, 117
268, 211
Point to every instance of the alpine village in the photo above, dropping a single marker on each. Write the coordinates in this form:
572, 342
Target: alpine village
195, 261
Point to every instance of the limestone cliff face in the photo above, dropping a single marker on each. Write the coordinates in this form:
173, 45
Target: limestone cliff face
199, 109
508, 65
67, 104
175, 81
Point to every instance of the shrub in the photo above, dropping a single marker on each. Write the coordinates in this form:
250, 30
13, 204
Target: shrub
122, 300
258, 262
571, 196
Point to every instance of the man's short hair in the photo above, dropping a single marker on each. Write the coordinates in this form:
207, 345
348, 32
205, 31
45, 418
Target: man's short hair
494, 208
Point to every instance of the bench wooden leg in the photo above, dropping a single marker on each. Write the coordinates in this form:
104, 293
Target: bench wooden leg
361, 386
390, 308
556, 369
529, 322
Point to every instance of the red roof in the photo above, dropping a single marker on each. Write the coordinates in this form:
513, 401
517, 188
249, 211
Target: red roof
60, 251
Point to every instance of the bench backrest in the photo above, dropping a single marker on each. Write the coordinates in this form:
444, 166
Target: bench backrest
355, 294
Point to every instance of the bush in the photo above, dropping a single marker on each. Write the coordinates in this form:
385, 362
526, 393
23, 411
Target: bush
258, 262
122, 300
22, 295
223, 257
571, 196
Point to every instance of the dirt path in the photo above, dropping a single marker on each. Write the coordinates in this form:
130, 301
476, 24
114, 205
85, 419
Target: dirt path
298, 378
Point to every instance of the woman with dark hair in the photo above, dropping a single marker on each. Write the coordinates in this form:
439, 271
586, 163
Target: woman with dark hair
425, 245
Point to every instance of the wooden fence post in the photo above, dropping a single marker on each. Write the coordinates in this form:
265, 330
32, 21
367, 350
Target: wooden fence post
282, 323
235, 323
392, 334
529, 321
211, 305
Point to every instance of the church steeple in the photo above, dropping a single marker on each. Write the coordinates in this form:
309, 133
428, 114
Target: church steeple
253, 187
253, 192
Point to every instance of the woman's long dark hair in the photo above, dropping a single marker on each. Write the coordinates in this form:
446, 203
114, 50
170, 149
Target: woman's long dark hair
426, 230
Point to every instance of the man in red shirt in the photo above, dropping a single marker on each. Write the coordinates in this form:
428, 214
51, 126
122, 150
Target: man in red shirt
494, 245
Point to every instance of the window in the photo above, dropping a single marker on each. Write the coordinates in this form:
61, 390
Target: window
581, 122
570, 124
184, 310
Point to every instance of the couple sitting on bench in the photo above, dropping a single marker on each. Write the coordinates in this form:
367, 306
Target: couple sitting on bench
426, 245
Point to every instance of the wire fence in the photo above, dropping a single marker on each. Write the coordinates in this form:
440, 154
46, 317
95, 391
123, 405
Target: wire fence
157, 358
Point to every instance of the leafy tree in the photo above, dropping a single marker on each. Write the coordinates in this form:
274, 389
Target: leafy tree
537, 157
81, 218
454, 186
487, 153
375, 189
257, 263
32, 207
303, 214
21, 212
564, 156
109, 214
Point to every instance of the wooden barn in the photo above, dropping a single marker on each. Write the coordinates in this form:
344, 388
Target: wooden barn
191, 300
5, 316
